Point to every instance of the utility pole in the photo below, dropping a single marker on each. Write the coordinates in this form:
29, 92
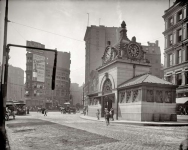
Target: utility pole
4, 76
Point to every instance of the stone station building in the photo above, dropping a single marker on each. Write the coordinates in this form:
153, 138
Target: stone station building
125, 84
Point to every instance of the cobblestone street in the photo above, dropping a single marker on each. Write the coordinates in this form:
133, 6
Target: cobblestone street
70, 132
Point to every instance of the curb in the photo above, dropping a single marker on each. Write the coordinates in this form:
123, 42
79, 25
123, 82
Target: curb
140, 123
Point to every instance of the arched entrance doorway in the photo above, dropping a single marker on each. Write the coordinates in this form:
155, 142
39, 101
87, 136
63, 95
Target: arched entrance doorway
108, 96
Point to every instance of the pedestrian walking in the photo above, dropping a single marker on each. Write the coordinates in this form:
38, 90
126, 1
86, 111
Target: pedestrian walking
87, 110
61, 109
98, 113
45, 112
84, 111
181, 110
112, 114
107, 116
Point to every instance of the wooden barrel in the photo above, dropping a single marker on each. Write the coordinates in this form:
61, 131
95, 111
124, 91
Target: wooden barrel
173, 117
156, 117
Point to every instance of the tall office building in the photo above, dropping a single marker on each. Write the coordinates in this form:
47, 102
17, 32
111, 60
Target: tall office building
15, 85
96, 38
176, 46
61, 94
39, 77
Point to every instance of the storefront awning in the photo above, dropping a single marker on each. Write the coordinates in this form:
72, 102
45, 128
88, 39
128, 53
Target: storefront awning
181, 100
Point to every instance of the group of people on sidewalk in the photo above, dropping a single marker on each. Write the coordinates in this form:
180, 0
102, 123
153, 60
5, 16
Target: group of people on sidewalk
107, 115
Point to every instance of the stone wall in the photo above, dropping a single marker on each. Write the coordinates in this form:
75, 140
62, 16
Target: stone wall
148, 104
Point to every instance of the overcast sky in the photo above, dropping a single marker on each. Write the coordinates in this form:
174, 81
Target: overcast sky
68, 21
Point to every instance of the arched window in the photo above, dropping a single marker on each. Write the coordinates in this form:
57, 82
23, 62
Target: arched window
107, 86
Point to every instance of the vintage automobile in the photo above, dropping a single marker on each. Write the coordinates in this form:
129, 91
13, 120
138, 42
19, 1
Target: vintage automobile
20, 107
69, 109
10, 110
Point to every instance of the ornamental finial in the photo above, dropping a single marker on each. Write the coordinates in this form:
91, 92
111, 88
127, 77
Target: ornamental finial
123, 24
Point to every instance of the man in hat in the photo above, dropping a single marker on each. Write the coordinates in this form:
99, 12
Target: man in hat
107, 116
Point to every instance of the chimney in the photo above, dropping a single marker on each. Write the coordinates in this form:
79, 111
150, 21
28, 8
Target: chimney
157, 42
108, 43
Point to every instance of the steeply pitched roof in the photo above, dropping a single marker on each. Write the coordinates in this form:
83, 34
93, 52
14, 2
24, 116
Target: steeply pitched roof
144, 78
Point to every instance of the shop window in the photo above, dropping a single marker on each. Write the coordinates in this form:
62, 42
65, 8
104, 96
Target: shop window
169, 78
179, 79
179, 57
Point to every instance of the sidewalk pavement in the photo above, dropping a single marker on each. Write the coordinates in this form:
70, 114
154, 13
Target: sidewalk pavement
180, 122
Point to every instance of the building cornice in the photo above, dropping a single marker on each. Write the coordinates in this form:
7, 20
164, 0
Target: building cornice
176, 46
123, 61
174, 67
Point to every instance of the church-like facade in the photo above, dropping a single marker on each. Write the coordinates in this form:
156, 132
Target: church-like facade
124, 83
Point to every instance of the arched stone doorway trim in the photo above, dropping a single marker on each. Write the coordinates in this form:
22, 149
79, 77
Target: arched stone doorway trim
105, 77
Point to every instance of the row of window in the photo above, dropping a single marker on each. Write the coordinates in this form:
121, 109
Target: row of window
58, 73
175, 18
58, 77
49, 93
178, 78
178, 36
28, 67
177, 57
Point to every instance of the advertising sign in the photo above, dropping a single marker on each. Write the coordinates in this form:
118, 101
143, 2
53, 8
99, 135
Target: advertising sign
38, 68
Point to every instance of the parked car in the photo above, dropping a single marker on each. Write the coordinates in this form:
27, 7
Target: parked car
20, 107
10, 111
69, 110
